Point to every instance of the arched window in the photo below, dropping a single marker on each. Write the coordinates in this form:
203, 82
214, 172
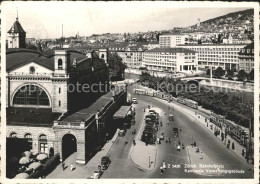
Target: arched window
32, 70
102, 56
28, 136
60, 64
13, 134
43, 147
31, 95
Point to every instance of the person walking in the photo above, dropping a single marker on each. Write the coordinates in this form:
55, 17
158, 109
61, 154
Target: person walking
179, 148
161, 168
166, 140
169, 140
63, 165
71, 167
164, 165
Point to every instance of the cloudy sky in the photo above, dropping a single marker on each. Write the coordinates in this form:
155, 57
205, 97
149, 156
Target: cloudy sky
45, 19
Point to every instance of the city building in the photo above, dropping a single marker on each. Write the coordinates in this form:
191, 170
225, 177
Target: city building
44, 88
215, 55
171, 59
16, 36
246, 58
153, 45
171, 40
132, 56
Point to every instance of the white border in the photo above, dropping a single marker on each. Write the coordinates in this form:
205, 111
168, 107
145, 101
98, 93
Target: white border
162, 4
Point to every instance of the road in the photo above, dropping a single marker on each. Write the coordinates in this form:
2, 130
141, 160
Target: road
123, 167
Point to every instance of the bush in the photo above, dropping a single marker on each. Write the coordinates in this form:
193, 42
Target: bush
48, 167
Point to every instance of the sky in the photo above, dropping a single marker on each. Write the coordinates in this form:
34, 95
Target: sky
44, 19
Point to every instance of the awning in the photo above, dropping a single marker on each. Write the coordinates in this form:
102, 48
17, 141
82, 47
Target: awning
122, 112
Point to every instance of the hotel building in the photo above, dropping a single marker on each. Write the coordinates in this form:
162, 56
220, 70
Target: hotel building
215, 55
171, 59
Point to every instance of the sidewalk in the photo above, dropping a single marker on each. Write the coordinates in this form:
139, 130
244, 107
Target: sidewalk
201, 119
142, 155
82, 171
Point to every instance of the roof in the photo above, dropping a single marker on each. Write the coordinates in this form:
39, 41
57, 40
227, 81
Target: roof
18, 116
19, 57
211, 44
84, 114
165, 34
122, 112
16, 28
174, 50
247, 50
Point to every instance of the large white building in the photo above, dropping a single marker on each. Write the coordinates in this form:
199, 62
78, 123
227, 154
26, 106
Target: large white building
215, 55
171, 40
171, 59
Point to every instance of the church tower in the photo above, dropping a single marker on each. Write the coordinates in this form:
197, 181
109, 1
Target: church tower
198, 23
16, 35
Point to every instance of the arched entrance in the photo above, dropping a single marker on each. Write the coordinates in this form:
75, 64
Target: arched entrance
69, 145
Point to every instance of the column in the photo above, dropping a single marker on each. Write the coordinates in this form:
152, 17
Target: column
81, 159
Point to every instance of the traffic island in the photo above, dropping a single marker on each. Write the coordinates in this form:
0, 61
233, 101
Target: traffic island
201, 164
143, 155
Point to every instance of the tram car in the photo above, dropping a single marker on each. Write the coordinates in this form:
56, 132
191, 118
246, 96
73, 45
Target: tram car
233, 130
139, 91
188, 102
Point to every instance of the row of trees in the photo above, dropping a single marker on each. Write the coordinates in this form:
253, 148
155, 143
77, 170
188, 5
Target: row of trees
232, 105
241, 76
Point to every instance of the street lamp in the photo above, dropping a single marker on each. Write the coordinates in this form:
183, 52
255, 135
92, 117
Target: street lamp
149, 159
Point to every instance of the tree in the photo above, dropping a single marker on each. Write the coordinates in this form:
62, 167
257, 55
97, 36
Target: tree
219, 72
208, 72
242, 75
116, 65
252, 75
230, 73
30, 46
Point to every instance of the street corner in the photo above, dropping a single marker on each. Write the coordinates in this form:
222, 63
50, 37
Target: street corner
201, 164
144, 156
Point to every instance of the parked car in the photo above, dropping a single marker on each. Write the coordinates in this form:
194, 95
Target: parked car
105, 162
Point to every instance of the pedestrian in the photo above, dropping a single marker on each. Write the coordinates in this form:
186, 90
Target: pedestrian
134, 142
63, 165
169, 140
243, 152
161, 168
182, 145
71, 167
158, 140
194, 143
166, 140
179, 148
164, 165
201, 156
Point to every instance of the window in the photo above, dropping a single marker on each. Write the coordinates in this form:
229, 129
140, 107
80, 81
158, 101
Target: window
60, 64
43, 147
32, 70
29, 139
13, 134
59, 103
31, 95
59, 90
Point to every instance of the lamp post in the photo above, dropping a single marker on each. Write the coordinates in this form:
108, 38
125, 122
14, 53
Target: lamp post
149, 159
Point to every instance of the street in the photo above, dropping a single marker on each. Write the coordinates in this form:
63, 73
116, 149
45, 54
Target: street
123, 167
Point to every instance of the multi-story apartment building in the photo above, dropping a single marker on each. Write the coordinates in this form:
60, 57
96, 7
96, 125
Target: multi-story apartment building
171, 40
171, 59
215, 55
131, 56
246, 58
